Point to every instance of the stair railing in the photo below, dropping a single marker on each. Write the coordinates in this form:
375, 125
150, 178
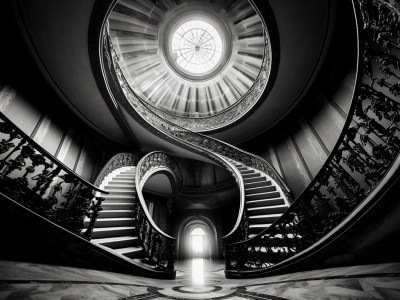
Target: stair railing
213, 149
35, 179
120, 160
367, 149
159, 246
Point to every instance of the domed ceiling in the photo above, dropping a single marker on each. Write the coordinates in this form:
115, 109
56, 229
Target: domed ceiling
201, 64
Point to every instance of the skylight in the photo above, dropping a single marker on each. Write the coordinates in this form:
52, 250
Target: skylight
198, 47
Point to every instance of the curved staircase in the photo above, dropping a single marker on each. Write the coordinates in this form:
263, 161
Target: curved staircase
114, 226
264, 200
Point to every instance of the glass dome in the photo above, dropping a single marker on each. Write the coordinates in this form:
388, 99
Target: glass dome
197, 47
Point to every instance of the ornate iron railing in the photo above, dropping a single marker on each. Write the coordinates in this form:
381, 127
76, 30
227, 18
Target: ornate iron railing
35, 179
367, 148
159, 246
211, 148
118, 161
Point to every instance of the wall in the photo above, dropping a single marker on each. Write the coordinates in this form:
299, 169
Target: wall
56, 130
300, 152
299, 145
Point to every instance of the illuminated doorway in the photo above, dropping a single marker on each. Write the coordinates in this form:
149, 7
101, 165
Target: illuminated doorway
198, 242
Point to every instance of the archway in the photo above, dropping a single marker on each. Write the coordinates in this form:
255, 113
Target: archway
197, 238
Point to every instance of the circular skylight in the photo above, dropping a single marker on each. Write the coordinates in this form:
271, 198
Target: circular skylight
197, 47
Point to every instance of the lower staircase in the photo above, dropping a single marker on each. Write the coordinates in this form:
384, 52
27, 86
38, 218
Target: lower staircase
265, 202
114, 226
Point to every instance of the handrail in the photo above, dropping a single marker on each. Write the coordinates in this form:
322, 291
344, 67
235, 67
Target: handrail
158, 244
151, 120
148, 165
363, 155
35, 179
49, 156
204, 145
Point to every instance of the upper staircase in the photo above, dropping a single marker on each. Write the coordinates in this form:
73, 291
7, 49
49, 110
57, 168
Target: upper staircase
264, 200
114, 226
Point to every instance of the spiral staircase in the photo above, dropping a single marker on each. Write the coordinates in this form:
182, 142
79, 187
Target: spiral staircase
152, 95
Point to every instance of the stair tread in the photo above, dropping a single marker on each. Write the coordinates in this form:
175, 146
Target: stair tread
265, 216
260, 225
267, 199
263, 193
268, 207
128, 249
113, 228
114, 219
117, 210
114, 239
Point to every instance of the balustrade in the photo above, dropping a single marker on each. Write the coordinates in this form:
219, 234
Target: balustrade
369, 146
32, 177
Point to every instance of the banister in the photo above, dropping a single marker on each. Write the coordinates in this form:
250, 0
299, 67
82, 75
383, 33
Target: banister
35, 179
49, 156
177, 130
360, 162
140, 180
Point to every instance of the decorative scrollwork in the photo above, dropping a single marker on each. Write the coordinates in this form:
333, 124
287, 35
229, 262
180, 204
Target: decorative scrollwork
211, 148
117, 161
35, 179
358, 163
158, 245
204, 144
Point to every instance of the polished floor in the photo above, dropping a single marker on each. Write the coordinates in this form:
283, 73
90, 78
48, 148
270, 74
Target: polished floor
197, 279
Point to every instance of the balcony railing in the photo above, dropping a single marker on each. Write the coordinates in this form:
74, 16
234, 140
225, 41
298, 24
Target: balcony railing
35, 179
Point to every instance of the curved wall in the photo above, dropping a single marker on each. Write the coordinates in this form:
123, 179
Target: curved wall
301, 143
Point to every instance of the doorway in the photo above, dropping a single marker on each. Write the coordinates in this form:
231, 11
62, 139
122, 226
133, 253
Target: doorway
198, 242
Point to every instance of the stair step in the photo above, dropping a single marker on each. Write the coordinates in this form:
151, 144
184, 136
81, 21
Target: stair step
123, 183
122, 180
131, 252
268, 195
113, 222
119, 192
264, 210
253, 175
116, 213
242, 168
247, 172
265, 202
264, 219
257, 184
107, 232
257, 228
117, 205
117, 242
120, 187
124, 176
119, 198
259, 190
254, 180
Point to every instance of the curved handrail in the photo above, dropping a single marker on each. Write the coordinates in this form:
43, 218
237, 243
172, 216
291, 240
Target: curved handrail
151, 120
362, 157
150, 164
34, 178
49, 156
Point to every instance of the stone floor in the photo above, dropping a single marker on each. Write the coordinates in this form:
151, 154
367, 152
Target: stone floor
197, 279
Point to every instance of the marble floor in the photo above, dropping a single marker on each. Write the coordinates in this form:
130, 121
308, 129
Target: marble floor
197, 279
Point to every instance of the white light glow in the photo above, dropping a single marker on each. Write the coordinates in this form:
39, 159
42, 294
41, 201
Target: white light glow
198, 47
197, 271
